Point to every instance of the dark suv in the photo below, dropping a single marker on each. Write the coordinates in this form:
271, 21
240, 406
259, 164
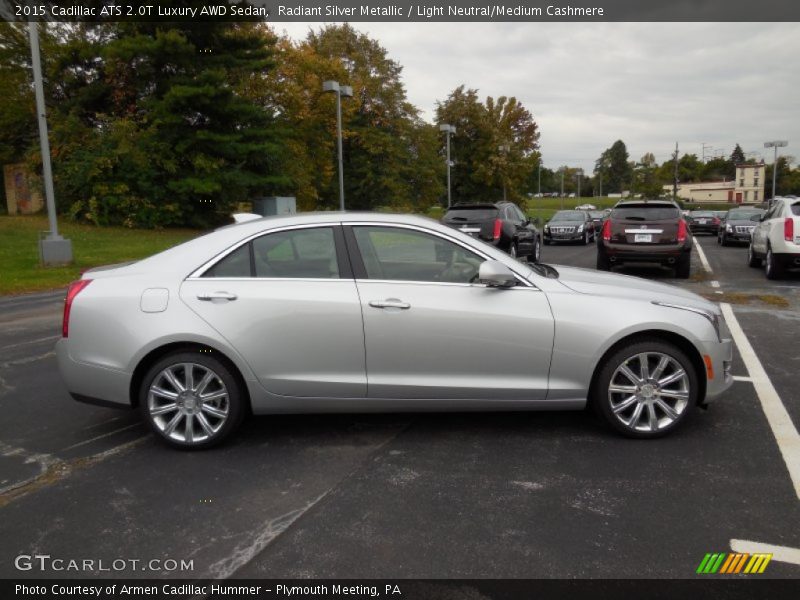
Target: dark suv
502, 224
646, 231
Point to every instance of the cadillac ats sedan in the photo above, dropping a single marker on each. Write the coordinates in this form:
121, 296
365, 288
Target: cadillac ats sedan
365, 312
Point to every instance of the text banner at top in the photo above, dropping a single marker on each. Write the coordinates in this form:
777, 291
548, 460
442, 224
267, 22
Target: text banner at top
419, 11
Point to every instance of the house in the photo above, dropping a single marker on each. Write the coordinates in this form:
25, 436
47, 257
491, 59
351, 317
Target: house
747, 187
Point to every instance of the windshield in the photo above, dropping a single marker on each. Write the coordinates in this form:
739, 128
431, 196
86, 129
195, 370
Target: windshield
645, 212
743, 215
568, 215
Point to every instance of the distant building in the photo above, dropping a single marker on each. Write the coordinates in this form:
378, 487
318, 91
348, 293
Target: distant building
747, 187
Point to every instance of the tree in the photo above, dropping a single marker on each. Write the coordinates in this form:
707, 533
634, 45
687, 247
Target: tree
614, 167
737, 156
646, 180
495, 146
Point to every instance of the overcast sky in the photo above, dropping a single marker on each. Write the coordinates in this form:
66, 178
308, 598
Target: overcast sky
587, 85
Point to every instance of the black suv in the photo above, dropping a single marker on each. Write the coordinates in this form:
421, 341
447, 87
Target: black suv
648, 231
502, 224
570, 226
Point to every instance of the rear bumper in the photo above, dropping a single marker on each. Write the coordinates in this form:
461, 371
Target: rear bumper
94, 384
789, 260
619, 253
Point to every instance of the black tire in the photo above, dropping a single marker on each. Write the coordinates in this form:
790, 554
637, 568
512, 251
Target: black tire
683, 268
603, 264
537, 251
586, 238
752, 259
601, 398
234, 403
512, 250
774, 269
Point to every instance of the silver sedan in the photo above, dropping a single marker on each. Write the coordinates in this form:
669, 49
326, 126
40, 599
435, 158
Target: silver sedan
371, 312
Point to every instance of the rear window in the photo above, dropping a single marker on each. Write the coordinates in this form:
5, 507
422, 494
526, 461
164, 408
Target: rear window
471, 214
702, 213
795, 209
646, 212
743, 215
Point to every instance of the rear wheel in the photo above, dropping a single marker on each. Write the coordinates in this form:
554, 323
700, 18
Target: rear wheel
191, 400
683, 268
774, 267
645, 389
603, 263
752, 259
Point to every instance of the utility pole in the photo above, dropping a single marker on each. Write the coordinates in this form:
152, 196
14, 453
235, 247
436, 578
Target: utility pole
704, 150
562, 187
675, 177
540, 177
775, 144
580, 176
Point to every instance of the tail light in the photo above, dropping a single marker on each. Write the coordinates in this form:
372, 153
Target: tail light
607, 230
498, 228
74, 289
681, 230
788, 229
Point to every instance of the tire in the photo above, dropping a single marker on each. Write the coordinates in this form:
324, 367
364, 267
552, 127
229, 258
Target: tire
586, 238
683, 268
209, 422
774, 269
645, 407
603, 263
752, 259
512, 251
537, 251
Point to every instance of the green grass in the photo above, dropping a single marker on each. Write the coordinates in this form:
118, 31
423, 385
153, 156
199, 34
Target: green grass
20, 271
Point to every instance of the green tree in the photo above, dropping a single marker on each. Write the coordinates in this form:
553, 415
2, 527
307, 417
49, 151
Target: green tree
495, 146
737, 156
615, 168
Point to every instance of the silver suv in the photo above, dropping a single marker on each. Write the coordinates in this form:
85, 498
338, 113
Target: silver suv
776, 238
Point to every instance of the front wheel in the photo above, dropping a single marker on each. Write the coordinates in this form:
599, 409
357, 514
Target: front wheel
645, 389
191, 400
774, 269
752, 259
586, 238
512, 251
537, 251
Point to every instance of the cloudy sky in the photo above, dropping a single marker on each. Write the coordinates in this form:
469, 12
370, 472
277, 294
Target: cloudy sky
587, 85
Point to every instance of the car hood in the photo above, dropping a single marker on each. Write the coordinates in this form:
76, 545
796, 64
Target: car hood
587, 281
567, 223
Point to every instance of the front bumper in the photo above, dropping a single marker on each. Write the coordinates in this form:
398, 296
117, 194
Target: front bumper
720, 355
563, 237
93, 384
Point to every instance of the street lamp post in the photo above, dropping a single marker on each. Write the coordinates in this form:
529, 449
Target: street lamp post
448, 131
579, 174
347, 92
505, 149
539, 191
562, 169
775, 144
53, 249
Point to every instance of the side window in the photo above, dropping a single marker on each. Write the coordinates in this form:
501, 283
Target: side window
297, 253
517, 213
394, 253
236, 264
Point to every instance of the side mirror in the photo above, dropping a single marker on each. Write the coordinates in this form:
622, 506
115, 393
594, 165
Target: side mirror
493, 273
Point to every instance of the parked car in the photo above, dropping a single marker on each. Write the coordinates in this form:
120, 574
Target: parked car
598, 216
502, 224
776, 238
369, 312
586, 207
646, 231
703, 221
737, 225
570, 226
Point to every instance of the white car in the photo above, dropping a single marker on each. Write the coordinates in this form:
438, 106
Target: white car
776, 238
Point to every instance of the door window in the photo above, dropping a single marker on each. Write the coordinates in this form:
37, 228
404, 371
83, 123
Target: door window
297, 253
393, 253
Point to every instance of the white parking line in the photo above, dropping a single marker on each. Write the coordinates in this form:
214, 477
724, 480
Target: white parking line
779, 553
740, 378
702, 255
779, 420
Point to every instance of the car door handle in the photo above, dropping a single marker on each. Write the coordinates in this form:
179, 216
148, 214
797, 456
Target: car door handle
210, 296
389, 303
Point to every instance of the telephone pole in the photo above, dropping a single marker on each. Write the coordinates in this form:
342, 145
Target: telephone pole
675, 178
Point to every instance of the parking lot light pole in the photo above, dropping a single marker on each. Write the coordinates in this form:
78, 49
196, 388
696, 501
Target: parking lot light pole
504, 149
347, 92
580, 176
562, 169
775, 144
448, 131
53, 249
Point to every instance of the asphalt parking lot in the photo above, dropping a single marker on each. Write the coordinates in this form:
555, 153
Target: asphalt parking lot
513, 495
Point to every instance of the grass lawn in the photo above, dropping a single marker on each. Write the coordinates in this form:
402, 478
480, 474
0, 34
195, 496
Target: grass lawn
92, 246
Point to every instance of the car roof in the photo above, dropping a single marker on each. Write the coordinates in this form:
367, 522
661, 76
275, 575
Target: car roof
477, 205
639, 203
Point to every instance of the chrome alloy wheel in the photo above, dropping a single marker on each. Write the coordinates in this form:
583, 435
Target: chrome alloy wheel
188, 402
649, 391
